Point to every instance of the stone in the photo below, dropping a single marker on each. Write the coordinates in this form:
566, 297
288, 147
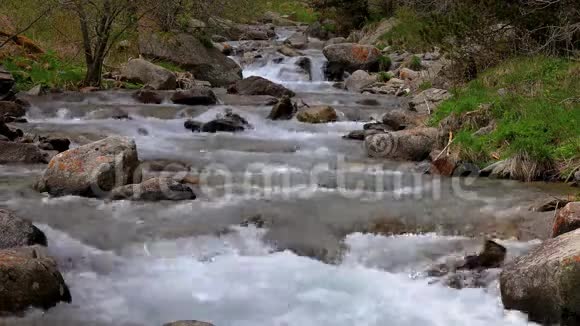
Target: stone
6, 81
408, 74
289, 52
30, 279
377, 126
259, 86
372, 34
92, 170
8, 132
444, 165
11, 109
283, 110
361, 134
20, 153
298, 40
206, 63
147, 96
544, 283
408, 145
464, 170
305, 64
317, 114
17, 232
492, 256
318, 31
567, 219
335, 40
359, 80
114, 113
195, 96
154, 189
549, 204
38, 90
153, 76
194, 126
352, 57
188, 323
428, 100
54, 144
229, 122
400, 120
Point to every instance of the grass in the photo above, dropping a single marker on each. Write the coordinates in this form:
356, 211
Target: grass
535, 102
46, 70
384, 76
408, 33
169, 65
384, 63
416, 63
297, 10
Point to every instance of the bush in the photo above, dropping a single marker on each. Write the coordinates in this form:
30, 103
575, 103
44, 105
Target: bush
384, 77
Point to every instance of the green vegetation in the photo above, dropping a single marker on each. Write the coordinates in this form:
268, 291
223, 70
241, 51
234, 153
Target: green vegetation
46, 70
297, 10
169, 65
384, 63
535, 103
416, 63
425, 85
384, 76
408, 33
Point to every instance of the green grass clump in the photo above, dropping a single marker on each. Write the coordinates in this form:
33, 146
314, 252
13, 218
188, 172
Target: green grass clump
425, 85
47, 70
297, 10
384, 76
384, 63
169, 66
535, 102
416, 63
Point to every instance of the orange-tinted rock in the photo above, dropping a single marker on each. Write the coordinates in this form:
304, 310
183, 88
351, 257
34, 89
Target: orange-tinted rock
567, 219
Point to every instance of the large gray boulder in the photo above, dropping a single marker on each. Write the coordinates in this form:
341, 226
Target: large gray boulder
202, 59
352, 57
17, 232
259, 86
92, 170
545, 282
154, 189
149, 74
11, 152
30, 279
359, 80
408, 145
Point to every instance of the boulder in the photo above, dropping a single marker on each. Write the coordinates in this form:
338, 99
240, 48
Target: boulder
114, 113
298, 40
259, 86
409, 145
283, 110
9, 133
305, 64
254, 32
20, 153
359, 80
11, 109
492, 256
205, 62
192, 125
195, 96
373, 33
549, 204
6, 81
289, 52
408, 74
335, 40
188, 323
144, 72
17, 232
352, 57
428, 100
54, 144
229, 122
400, 120
92, 170
544, 283
30, 279
317, 114
147, 96
154, 189
320, 30
567, 219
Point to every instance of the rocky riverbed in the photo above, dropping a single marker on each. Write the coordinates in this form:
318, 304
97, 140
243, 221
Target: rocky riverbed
292, 225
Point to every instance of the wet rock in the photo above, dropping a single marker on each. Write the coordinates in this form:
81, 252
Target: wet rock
400, 120
334, 71
20, 153
427, 101
92, 170
368, 102
466, 170
360, 134
206, 63
567, 219
544, 283
352, 57
188, 323
317, 114
6, 81
443, 165
192, 125
54, 144
147, 96
30, 279
195, 96
408, 145
154, 76
114, 113
11, 109
305, 64
259, 86
230, 122
359, 80
9, 133
289, 52
17, 232
298, 40
283, 110
492, 256
154, 189
377, 126
549, 204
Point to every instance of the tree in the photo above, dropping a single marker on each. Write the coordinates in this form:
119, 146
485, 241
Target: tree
102, 23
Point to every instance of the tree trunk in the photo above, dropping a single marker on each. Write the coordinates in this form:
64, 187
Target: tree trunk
94, 72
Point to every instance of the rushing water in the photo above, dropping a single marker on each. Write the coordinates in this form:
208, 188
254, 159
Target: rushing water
149, 263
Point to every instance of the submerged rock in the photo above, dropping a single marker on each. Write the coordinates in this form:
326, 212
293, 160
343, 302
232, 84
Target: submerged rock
146, 96
317, 114
192, 125
544, 283
567, 219
408, 145
195, 96
30, 279
17, 232
259, 86
154, 189
283, 110
154, 76
91, 170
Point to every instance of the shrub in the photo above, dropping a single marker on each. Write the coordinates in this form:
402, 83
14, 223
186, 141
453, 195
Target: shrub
384, 76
